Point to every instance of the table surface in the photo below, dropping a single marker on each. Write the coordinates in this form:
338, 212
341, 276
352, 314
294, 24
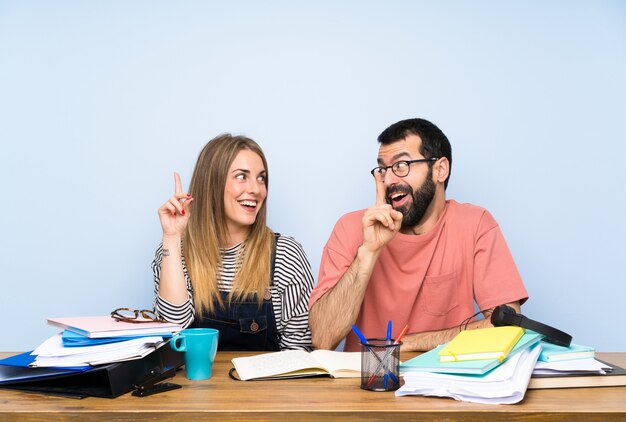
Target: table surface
222, 398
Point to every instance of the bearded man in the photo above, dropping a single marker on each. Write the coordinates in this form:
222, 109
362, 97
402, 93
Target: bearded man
414, 257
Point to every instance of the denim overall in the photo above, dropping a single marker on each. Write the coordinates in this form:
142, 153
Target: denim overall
242, 324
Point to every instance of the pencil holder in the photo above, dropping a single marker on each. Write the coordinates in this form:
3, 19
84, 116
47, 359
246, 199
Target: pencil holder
380, 365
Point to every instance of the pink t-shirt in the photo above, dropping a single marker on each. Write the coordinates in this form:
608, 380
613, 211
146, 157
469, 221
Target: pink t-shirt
428, 281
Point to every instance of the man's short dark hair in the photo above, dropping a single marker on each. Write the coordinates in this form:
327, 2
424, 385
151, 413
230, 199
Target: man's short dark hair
434, 141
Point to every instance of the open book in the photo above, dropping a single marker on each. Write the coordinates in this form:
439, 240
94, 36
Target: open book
298, 363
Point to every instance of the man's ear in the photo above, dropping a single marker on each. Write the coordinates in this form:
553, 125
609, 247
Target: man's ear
441, 170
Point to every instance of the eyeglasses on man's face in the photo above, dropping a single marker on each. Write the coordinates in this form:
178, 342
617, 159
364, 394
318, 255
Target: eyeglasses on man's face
401, 168
132, 315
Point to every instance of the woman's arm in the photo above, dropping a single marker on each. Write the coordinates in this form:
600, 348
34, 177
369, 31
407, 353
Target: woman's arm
294, 282
182, 313
172, 284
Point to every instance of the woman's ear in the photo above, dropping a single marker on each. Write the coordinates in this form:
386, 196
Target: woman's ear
441, 170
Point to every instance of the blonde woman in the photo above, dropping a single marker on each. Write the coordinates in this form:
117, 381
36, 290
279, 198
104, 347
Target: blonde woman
219, 265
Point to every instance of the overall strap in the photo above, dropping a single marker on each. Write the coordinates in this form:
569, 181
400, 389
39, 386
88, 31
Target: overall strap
273, 259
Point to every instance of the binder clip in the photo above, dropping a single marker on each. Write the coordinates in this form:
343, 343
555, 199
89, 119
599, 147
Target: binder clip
152, 383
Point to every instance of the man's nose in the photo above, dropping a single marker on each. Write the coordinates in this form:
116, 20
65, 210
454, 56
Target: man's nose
390, 178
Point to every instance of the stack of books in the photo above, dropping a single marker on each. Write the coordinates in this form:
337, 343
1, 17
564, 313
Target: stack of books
573, 366
488, 365
97, 340
497, 365
94, 356
92, 341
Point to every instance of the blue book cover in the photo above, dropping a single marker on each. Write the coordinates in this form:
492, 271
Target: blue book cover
553, 353
429, 361
72, 339
15, 369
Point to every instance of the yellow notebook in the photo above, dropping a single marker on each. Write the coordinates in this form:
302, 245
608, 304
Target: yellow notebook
482, 343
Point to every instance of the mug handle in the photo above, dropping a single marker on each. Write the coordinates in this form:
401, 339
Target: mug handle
175, 346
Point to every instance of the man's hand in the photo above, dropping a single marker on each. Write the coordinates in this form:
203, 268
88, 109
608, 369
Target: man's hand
424, 341
334, 313
380, 222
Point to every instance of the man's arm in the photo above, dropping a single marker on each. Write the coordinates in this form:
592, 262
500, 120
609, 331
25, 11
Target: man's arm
331, 317
428, 340
333, 314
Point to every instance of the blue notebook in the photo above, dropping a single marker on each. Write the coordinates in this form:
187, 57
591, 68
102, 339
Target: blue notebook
72, 339
15, 369
429, 361
553, 353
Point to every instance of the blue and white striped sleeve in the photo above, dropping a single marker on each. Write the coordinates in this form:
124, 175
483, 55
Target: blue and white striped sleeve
294, 283
180, 314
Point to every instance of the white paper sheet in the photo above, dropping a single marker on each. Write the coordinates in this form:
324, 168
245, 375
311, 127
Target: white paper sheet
574, 366
51, 352
506, 384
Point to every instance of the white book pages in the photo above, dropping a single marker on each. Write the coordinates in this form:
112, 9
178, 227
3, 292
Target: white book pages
51, 352
54, 346
506, 384
575, 366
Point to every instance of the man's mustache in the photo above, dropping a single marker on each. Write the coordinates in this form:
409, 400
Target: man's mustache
397, 189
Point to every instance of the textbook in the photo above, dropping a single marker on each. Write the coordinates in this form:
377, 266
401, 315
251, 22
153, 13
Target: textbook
429, 361
482, 343
553, 353
105, 326
612, 378
297, 364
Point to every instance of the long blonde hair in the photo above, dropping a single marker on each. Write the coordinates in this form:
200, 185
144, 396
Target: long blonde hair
207, 230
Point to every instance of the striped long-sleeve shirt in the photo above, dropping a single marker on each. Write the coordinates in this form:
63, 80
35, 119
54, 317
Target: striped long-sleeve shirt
290, 291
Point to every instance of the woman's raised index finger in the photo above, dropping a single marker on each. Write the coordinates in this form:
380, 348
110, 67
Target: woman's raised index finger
380, 189
178, 186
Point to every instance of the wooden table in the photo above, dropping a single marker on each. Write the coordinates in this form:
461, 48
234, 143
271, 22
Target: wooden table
222, 399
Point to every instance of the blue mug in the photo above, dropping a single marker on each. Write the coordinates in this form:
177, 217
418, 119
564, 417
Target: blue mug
200, 347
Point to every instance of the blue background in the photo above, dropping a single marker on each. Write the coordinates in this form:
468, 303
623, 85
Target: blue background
100, 102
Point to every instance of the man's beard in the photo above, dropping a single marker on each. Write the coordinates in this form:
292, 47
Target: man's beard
422, 197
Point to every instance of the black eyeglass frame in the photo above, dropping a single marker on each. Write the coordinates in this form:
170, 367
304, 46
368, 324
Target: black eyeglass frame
408, 164
147, 314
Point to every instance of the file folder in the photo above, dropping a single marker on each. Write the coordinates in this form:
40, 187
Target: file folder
108, 381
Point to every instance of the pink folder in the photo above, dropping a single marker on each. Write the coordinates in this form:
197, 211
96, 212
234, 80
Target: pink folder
105, 326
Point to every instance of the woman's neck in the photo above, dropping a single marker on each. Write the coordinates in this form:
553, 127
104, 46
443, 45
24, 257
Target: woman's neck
235, 237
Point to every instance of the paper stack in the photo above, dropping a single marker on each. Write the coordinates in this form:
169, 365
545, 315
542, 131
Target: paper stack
96, 340
506, 384
573, 366
52, 352
488, 365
